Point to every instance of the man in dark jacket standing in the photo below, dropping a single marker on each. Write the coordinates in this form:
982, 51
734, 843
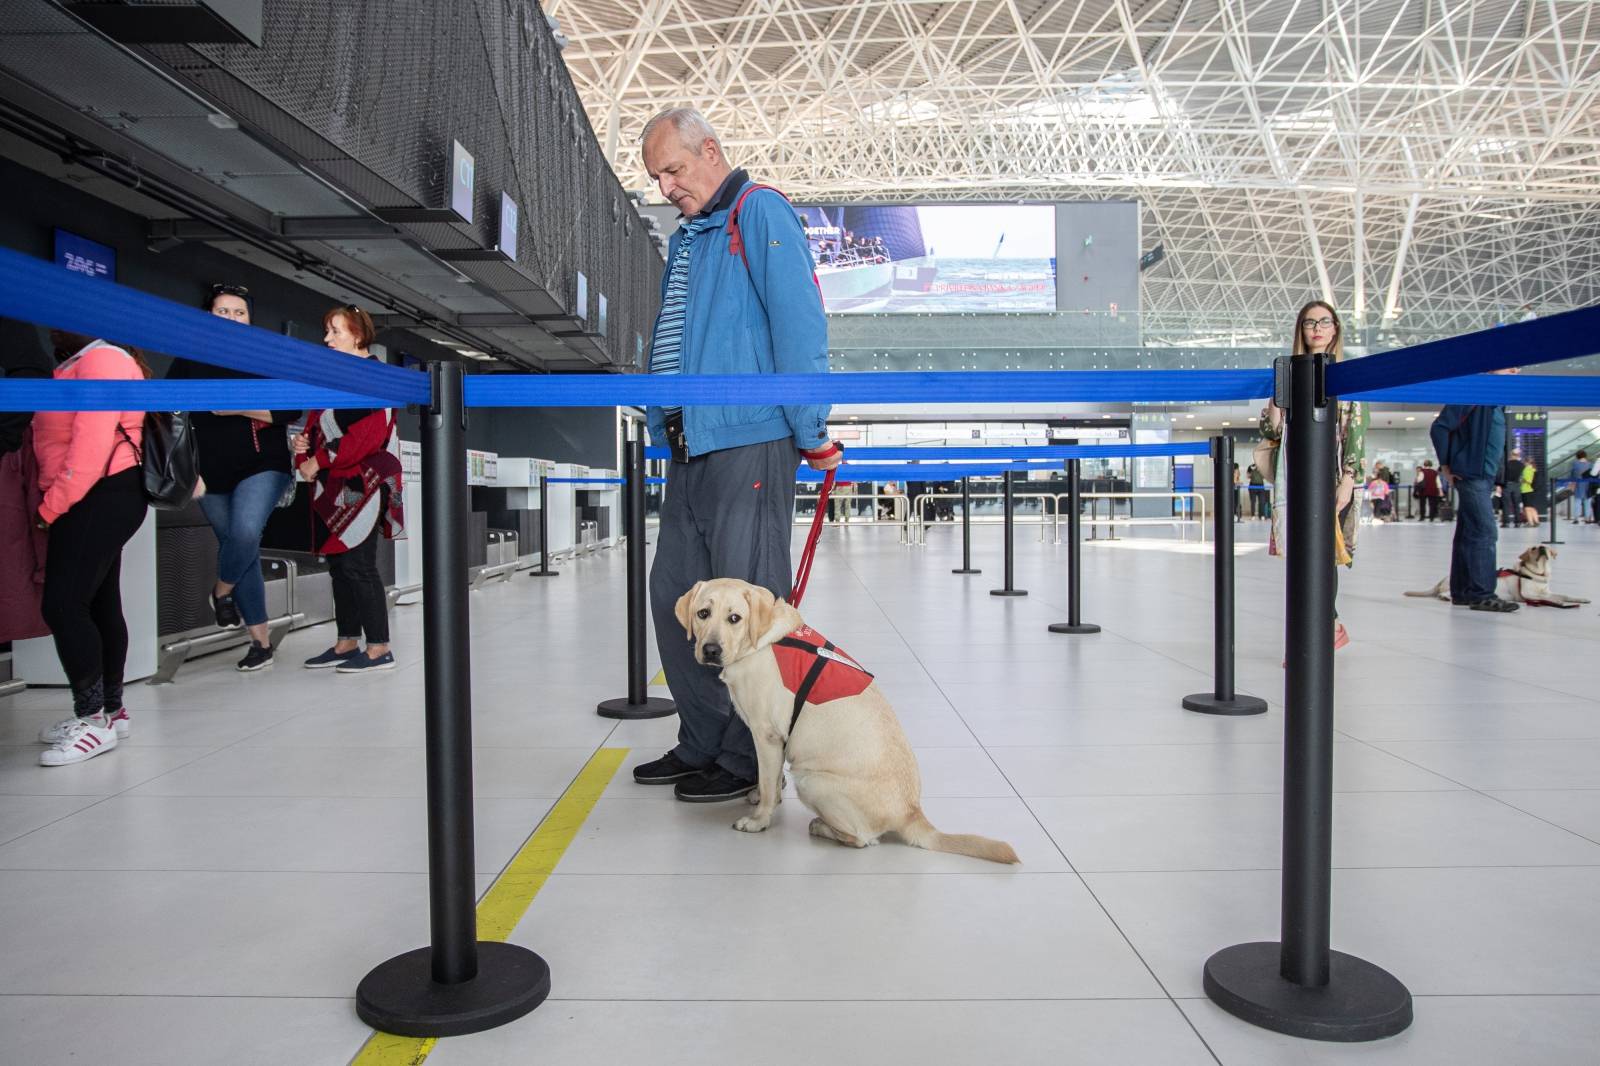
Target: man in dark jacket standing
1470, 441
749, 306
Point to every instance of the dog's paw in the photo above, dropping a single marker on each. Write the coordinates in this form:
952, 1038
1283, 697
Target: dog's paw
753, 797
752, 823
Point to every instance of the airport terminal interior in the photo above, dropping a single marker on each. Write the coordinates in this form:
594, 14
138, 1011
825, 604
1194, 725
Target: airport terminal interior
390, 769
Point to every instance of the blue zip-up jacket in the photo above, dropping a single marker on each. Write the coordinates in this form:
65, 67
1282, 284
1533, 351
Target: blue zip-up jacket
1470, 439
764, 320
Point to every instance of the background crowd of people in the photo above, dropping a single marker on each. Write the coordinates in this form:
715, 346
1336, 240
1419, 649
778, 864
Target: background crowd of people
79, 482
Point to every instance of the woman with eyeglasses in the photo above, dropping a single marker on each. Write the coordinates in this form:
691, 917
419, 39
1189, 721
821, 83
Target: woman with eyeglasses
244, 461
352, 459
1318, 331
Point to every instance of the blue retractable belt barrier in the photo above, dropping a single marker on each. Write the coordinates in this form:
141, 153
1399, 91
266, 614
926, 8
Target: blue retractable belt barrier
1001, 454
38, 291
233, 394
1503, 390
1042, 386
893, 472
1544, 340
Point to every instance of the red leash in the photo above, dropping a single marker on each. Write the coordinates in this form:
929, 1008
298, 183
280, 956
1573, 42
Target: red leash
802, 572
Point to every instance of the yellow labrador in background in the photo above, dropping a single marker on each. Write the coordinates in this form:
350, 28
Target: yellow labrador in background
1529, 583
850, 759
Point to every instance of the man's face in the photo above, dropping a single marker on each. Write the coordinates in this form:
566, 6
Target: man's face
687, 176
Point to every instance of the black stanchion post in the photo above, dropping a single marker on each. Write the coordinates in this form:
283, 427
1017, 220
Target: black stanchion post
1223, 699
544, 531
966, 529
1300, 986
639, 703
1552, 495
1074, 624
1008, 590
457, 985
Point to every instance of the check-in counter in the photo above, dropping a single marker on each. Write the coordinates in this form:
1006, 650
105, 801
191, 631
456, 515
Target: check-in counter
599, 504
563, 521
511, 502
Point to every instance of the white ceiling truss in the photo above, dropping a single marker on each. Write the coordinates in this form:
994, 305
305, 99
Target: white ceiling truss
1428, 164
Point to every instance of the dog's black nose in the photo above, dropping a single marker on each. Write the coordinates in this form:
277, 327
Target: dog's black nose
711, 652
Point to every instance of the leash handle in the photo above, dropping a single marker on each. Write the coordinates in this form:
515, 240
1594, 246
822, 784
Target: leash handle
802, 572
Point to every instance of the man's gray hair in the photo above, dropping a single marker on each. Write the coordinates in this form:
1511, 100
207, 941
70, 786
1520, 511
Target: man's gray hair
691, 125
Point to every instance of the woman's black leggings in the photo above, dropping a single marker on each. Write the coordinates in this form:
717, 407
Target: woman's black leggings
83, 582
359, 600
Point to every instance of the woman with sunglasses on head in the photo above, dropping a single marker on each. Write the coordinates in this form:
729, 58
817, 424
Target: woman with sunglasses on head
352, 459
89, 473
244, 461
1318, 331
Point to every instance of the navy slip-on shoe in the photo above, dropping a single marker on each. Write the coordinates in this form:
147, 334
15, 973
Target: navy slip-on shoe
333, 658
363, 663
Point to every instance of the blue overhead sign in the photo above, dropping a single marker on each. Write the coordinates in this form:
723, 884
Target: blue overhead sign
83, 256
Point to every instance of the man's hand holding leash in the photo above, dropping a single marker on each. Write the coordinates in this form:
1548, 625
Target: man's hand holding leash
826, 457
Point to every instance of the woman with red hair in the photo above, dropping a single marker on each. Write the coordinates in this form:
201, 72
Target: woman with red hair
351, 458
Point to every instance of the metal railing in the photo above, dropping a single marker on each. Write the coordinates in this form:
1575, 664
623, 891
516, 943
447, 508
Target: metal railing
1052, 507
1045, 519
899, 510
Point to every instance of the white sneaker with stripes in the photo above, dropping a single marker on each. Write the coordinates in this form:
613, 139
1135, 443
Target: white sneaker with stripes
81, 739
122, 722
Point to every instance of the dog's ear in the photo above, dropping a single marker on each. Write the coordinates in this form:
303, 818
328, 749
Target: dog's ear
685, 608
761, 602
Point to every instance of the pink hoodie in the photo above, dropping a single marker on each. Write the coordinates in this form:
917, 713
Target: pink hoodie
77, 448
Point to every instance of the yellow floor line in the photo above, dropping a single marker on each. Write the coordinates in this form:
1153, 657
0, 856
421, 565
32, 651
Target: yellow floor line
508, 899
660, 678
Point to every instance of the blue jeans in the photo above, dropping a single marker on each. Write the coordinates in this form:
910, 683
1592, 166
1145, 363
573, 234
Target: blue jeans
1472, 561
237, 518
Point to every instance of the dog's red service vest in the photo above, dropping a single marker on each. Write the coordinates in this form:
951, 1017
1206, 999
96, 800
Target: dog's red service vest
816, 671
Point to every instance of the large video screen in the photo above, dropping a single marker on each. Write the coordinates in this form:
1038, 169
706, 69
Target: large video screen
943, 258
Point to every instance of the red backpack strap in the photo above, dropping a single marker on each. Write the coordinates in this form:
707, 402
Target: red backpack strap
736, 239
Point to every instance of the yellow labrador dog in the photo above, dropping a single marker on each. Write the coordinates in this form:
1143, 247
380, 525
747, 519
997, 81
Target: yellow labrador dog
850, 759
1529, 583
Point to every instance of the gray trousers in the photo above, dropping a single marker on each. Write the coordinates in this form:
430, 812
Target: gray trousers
726, 514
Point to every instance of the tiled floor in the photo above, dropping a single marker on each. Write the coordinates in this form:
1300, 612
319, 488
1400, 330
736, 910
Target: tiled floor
213, 890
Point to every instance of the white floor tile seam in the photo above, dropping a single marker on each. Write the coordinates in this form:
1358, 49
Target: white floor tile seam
1072, 871
853, 999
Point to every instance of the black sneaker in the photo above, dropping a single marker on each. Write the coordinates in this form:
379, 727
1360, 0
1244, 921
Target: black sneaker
713, 786
664, 771
226, 613
257, 658
1498, 606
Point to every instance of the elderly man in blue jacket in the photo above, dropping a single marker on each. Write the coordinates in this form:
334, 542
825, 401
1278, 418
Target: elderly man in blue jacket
1471, 443
730, 487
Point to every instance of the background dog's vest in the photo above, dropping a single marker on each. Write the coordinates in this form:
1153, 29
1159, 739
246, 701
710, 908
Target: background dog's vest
816, 671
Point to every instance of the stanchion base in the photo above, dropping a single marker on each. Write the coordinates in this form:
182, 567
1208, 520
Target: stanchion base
1360, 1001
1074, 627
652, 707
1211, 703
401, 997
544, 573
1008, 592
966, 570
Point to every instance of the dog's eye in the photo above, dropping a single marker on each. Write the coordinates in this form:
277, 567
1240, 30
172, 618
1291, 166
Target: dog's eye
703, 613
733, 619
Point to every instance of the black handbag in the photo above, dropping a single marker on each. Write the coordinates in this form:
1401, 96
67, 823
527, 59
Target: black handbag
169, 460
